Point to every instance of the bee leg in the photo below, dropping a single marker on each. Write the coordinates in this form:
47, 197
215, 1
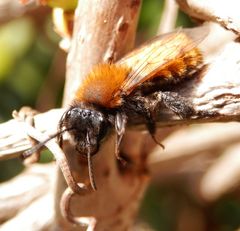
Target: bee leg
120, 124
151, 126
145, 107
175, 103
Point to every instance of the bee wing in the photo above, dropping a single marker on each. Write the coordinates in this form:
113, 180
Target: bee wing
146, 61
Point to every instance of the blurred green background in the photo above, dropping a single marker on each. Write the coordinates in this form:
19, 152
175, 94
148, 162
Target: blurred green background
32, 73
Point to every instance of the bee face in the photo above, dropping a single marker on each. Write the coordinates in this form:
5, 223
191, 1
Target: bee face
87, 127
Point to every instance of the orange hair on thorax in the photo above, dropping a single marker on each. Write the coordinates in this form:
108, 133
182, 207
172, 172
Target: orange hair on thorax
102, 84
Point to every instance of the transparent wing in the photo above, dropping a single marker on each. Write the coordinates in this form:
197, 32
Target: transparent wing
149, 59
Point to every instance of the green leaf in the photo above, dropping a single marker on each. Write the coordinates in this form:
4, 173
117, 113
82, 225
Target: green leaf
16, 37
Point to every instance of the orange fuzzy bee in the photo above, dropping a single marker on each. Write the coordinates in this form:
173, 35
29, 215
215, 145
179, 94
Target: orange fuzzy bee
113, 92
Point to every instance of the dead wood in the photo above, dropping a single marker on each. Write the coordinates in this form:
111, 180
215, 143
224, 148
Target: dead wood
110, 33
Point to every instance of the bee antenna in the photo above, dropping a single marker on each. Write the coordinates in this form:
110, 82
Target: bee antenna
90, 166
38, 146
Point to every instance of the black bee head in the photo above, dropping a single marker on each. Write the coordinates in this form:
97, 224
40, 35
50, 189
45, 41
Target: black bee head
86, 125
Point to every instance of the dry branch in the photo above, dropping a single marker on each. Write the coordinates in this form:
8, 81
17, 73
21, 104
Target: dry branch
223, 12
103, 31
21, 195
37, 216
188, 145
110, 33
169, 17
213, 184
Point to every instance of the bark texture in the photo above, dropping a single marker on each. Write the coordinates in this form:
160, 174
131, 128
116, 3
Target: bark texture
103, 32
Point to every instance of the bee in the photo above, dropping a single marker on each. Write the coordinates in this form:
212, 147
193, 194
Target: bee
113, 92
